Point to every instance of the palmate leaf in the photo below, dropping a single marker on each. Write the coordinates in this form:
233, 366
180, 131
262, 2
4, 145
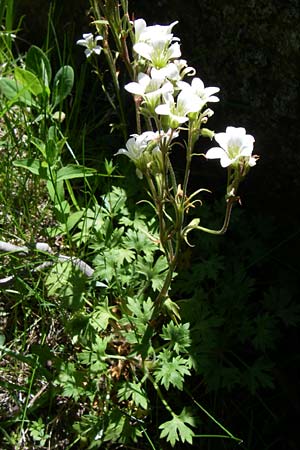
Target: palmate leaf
178, 335
120, 428
134, 391
177, 429
142, 311
266, 332
259, 375
171, 370
154, 273
139, 242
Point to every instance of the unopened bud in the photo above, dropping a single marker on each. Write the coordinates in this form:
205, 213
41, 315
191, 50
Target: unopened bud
207, 133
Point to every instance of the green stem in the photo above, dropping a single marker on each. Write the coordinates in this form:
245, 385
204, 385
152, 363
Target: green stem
113, 71
159, 393
229, 435
220, 436
189, 151
224, 228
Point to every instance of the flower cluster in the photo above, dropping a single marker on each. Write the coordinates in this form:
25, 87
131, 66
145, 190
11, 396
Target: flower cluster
160, 83
168, 102
144, 150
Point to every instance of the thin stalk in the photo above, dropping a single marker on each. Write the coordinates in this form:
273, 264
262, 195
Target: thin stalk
159, 393
224, 228
167, 283
189, 152
113, 71
229, 435
220, 436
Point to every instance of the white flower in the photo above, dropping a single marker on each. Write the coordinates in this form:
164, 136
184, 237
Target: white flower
90, 42
197, 87
146, 84
144, 150
147, 34
158, 51
234, 144
174, 71
150, 88
186, 103
136, 145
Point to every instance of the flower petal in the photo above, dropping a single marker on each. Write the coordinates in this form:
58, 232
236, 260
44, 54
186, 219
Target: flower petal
222, 139
134, 88
215, 153
143, 49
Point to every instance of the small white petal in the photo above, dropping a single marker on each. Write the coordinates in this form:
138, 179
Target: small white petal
139, 27
134, 88
252, 161
225, 161
222, 139
163, 110
215, 153
143, 49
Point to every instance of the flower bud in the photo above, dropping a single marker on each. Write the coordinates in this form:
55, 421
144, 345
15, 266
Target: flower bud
207, 133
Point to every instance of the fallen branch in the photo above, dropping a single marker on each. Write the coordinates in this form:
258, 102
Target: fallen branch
43, 247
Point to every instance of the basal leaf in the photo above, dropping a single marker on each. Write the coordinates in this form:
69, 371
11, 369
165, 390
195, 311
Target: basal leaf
33, 165
38, 63
74, 171
28, 80
15, 91
62, 84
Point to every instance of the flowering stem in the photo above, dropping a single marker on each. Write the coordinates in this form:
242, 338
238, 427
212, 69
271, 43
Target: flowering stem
113, 71
189, 151
114, 23
137, 102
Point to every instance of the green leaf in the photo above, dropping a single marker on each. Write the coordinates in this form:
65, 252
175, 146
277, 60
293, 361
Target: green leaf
101, 316
28, 80
74, 171
178, 335
139, 242
38, 63
259, 375
40, 145
56, 192
134, 391
67, 283
142, 311
71, 381
266, 332
116, 425
15, 91
33, 165
74, 218
154, 273
62, 84
115, 201
171, 370
177, 429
